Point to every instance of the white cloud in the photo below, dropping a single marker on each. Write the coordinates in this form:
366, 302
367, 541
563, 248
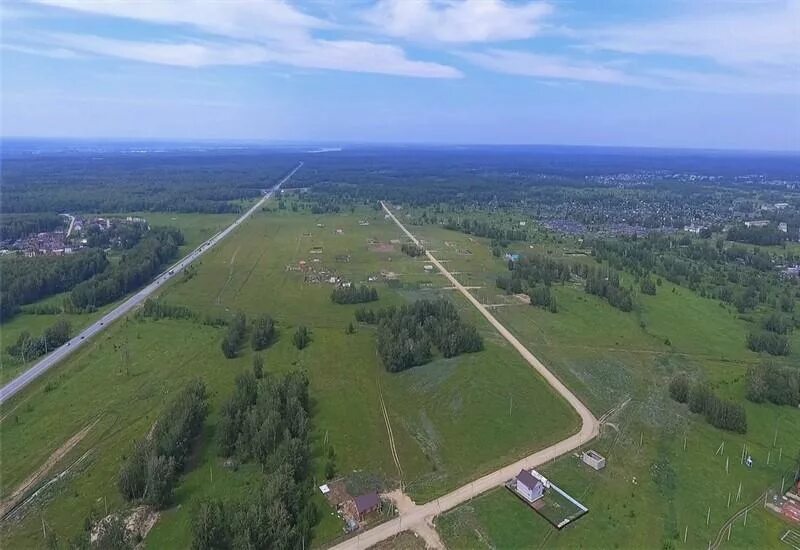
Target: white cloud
273, 19
456, 21
55, 53
550, 67
561, 68
754, 35
257, 32
342, 55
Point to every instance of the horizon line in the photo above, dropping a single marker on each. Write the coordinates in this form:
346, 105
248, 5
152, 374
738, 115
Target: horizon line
433, 144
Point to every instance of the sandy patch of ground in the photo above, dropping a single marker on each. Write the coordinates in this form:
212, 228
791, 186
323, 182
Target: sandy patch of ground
16, 496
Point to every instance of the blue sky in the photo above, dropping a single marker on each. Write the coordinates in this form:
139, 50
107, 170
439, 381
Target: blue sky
678, 73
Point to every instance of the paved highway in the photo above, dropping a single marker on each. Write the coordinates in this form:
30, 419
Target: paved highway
419, 514
50, 360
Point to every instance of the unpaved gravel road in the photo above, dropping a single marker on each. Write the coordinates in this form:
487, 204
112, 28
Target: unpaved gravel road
415, 515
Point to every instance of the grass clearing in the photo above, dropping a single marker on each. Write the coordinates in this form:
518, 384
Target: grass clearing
482, 402
652, 489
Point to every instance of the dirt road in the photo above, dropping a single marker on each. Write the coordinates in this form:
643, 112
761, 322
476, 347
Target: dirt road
415, 515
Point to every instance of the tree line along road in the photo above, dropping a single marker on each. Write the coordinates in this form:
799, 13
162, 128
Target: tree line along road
47, 362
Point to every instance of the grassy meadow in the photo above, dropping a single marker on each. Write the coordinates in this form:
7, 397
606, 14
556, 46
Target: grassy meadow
452, 419
195, 227
653, 491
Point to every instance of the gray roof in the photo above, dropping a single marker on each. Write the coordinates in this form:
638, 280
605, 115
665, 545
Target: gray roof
527, 479
367, 502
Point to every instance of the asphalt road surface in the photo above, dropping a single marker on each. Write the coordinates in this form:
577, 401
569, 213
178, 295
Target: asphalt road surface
50, 360
419, 514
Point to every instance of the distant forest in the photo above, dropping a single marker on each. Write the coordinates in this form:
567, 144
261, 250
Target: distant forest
116, 182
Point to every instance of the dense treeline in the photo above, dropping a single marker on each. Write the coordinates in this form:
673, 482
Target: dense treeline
160, 309
482, 228
720, 413
266, 421
764, 236
353, 294
26, 280
407, 335
135, 268
774, 383
412, 249
171, 181
13, 227
28, 347
263, 333
234, 337
151, 471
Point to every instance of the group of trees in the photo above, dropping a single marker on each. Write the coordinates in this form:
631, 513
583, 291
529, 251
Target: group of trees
151, 471
701, 399
136, 267
647, 286
529, 271
774, 383
542, 297
14, 226
407, 335
27, 347
234, 337
26, 280
265, 420
765, 236
301, 337
352, 294
121, 235
160, 309
606, 284
743, 277
412, 249
769, 342
482, 228
263, 332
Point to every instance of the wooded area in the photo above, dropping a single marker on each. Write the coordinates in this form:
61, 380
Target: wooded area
407, 335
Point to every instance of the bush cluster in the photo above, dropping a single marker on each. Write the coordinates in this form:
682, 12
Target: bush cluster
718, 412
774, 383
354, 294
28, 347
770, 342
150, 473
237, 329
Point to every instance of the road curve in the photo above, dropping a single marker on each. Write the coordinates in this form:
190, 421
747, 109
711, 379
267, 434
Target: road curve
590, 428
50, 360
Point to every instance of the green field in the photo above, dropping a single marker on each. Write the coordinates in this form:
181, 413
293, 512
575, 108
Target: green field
195, 227
452, 419
652, 489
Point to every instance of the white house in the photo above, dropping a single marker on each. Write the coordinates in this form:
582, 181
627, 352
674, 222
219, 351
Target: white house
529, 487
